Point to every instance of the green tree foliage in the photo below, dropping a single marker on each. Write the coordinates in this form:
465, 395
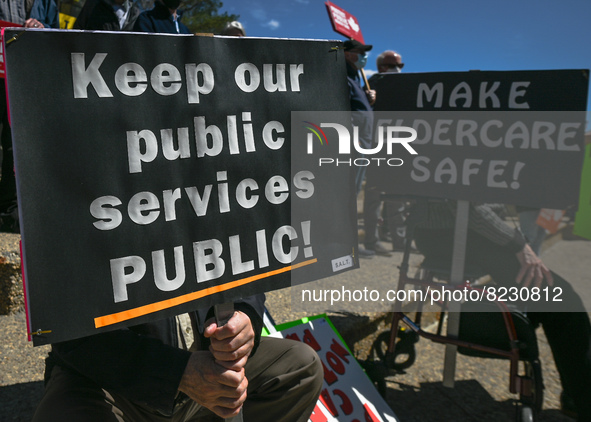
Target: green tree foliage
200, 15
203, 16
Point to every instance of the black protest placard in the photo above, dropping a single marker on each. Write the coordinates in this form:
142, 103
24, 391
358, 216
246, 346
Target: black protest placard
155, 173
510, 137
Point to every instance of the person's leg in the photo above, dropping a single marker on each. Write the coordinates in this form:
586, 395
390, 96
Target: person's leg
359, 178
371, 209
284, 381
70, 397
371, 214
569, 335
396, 223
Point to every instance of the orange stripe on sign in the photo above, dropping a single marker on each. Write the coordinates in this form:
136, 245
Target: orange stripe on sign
175, 301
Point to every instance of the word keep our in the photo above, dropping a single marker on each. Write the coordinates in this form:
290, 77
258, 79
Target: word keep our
132, 80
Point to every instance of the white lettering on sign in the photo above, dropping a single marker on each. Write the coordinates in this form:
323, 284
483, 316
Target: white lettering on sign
143, 146
145, 208
496, 133
132, 79
248, 77
208, 260
461, 96
498, 173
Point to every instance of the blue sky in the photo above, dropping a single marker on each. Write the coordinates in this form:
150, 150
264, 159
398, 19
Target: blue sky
435, 35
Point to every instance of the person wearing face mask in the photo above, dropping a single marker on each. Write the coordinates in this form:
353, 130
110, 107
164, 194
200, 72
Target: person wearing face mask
164, 18
356, 59
362, 100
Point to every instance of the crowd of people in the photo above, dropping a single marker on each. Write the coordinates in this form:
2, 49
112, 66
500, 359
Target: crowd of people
189, 368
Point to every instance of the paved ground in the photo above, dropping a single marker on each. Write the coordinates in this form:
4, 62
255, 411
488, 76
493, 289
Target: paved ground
481, 389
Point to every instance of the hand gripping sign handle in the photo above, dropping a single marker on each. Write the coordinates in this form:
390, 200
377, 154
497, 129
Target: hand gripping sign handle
223, 313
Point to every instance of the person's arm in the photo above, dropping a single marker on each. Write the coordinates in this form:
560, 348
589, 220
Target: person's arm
43, 12
183, 29
252, 306
215, 378
371, 96
208, 383
140, 368
484, 220
533, 271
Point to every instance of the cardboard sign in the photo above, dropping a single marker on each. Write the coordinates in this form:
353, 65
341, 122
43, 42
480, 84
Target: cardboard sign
347, 393
344, 23
69, 11
550, 219
2, 67
506, 137
4, 24
156, 174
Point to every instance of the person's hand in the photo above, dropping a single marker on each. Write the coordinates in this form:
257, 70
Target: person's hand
221, 390
532, 269
371, 96
232, 343
33, 23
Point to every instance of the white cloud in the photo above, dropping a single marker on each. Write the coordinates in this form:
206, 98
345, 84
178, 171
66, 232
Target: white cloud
369, 72
272, 24
259, 14
302, 1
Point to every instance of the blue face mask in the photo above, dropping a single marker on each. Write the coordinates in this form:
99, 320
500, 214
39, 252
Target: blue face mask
361, 60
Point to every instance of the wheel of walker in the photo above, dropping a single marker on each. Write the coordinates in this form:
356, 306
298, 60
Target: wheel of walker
402, 359
404, 356
380, 345
526, 414
533, 370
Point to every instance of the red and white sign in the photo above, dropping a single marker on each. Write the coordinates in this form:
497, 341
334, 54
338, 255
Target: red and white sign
4, 24
2, 67
347, 395
344, 23
550, 219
